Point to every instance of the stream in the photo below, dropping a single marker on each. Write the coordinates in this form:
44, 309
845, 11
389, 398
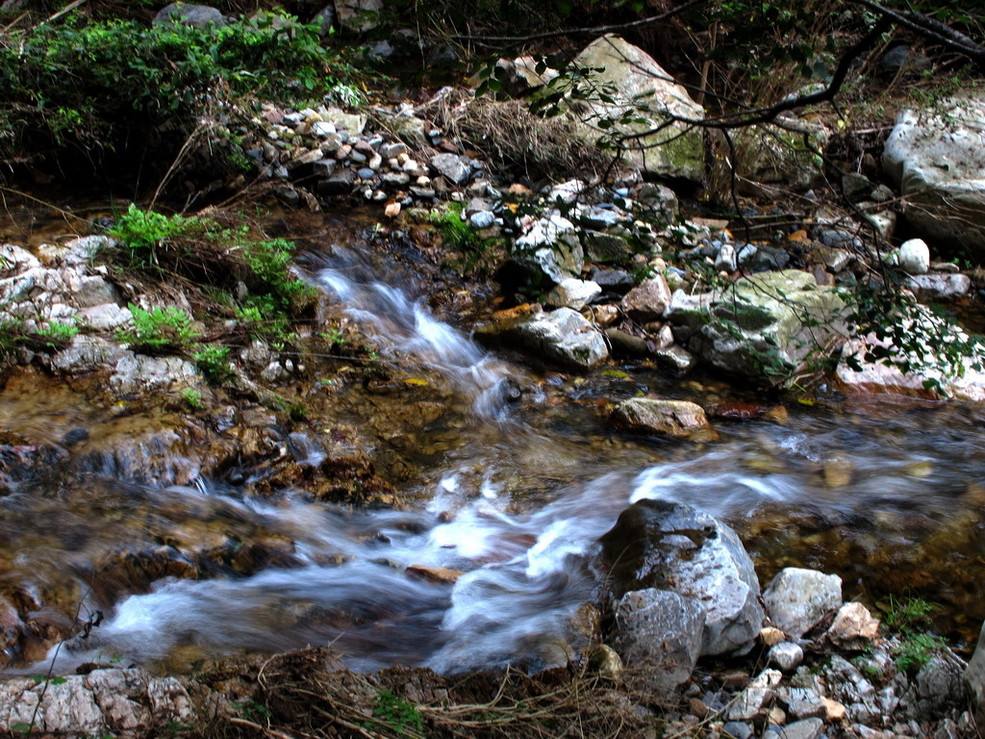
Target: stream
513, 495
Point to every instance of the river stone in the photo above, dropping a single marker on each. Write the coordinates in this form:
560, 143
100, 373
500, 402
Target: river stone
677, 418
565, 337
649, 300
914, 257
765, 326
670, 546
940, 286
658, 634
786, 655
974, 679
550, 248
189, 14
936, 158
605, 248
573, 293
677, 150
452, 167
87, 354
797, 599
140, 373
853, 626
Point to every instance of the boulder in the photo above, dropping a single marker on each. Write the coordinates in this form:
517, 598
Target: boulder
914, 257
928, 373
765, 326
649, 300
667, 546
190, 14
677, 150
936, 159
605, 248
773, 154
563, 336
974, 679
573, 293
940, 286
797, 599
658, 633
677, 418
550, 249
452, 167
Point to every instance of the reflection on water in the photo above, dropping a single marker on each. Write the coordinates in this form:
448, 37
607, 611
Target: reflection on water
884, 495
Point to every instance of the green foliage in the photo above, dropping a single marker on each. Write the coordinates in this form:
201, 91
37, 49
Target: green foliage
398, 714
270, 262
102, 84
265, 319
455, 230
906, 614
192, 398
159, 330
57, 334
916, 649
143, 231
213, 361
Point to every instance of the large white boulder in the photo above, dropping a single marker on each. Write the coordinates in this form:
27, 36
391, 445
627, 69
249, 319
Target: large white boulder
937, 159
635, 79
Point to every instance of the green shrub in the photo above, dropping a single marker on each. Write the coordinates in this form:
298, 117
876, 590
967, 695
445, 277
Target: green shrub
270, 263
213, 361
143, 231
192, 398
265, 319
915, 650
398, 714
159, 330
57, 334
455, 231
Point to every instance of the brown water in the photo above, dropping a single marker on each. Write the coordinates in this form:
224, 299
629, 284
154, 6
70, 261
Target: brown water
183, 563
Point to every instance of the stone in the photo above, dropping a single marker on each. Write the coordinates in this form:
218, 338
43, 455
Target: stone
140, 373
190, 14
940, 286
604, 248
15, 259
811, 728
451, 167
929, 374
833, 710
565, 337
670, 546
937, 686
605, 661
802, 702
435, 574
482, 219
676, 418
765, 326
550, 248
738, 730
658, 634
935, 159
727, 259
649, 300
786, 655
853, 626
771, 636
87, 354
974, 679
105, 317
798, 599
914, 257
358, 16
856, 186
676, 360
677, 150
573, 293
772, 154
752, 701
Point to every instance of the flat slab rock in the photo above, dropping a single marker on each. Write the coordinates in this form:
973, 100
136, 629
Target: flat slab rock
676, 418
115, 701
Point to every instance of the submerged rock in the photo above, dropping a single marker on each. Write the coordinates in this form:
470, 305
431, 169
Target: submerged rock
797, 599
677, 418
668, 546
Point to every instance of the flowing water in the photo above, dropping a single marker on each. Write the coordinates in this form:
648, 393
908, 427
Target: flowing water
890, 497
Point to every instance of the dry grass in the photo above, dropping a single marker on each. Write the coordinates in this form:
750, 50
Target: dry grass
509, 136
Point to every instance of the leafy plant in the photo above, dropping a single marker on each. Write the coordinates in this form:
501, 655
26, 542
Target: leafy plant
270, 262
55, 335
455, 231
192, 397
213, 361
159, 330
142, 231
397, 713
916, 649
264, 319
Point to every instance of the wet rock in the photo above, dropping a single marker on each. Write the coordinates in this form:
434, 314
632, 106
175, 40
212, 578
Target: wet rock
677, 150
797, 599
573, 293
649, 300
435, 574
658, 634
613, 280
605, 661
853, 626
452, 167
625, 344
668, 546
676, 360
935, 157
565, 337
677, 418
139, 373
786, 655
974, 679
940, 286
914, 257
189, 14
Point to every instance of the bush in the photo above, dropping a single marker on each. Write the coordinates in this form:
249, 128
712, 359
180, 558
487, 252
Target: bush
112, 84
213, 361
143, 231
159, 330
265, 319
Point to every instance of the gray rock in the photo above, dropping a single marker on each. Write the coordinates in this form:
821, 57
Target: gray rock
676, 360
15, 260
358, 16
802, 702
452, 167
974, 679
677, 150
658, 634
752, 702
550, 248
140, 373
482, 219
677, 418
573, 293
856, 186
604, 248
108, 316
785, 655
727, 259
936, 158
565, 337
190, 15
738, 730
797, 599
615, 280
668, 546
87, 354
810, 728
937, 686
